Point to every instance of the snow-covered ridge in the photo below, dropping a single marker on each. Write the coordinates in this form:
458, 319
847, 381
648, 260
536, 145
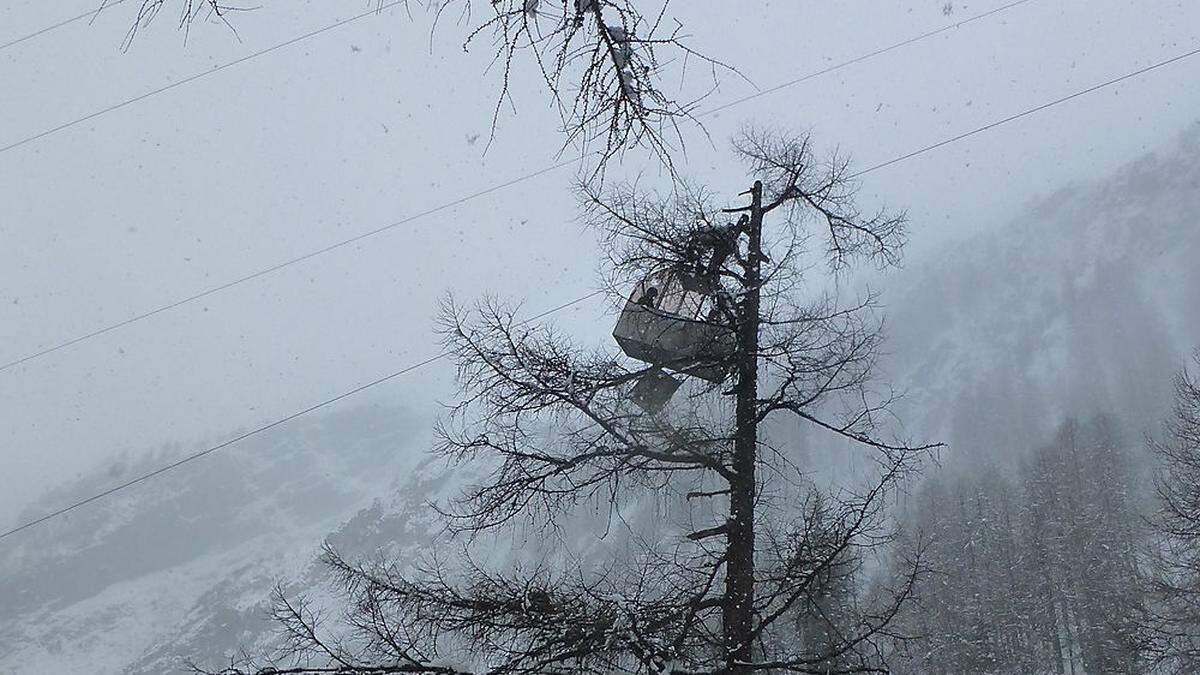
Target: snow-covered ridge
114, 583
1086, 301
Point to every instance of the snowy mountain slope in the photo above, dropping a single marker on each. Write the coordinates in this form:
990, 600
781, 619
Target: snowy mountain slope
233, 614
1088, 300
185, 570
107, 584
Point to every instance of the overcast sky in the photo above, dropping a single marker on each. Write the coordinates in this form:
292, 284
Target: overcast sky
364, 125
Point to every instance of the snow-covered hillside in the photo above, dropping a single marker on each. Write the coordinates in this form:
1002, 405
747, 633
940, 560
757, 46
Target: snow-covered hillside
188, 560
1089, 299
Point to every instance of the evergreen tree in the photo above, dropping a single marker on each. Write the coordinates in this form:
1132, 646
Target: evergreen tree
1172, 624
1033, 575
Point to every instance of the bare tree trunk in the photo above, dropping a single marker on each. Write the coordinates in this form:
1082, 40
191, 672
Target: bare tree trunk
739, 578
560, 425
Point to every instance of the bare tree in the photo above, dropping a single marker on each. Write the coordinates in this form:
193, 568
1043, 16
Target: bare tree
602, 62
749, 587
1172, 623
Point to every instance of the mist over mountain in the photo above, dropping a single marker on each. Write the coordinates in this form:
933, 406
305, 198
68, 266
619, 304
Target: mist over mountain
192, 552
1083, 303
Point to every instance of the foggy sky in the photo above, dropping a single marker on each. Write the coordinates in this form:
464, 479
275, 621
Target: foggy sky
364, 125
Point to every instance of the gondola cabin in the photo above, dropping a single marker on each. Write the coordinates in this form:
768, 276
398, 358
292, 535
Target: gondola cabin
670, 320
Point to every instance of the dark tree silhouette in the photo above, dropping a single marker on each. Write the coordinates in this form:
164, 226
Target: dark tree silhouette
601, 60
1172, 623
763, 580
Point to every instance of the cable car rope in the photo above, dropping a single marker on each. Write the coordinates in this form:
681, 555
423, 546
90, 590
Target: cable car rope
901, 158
271, 425
195, 76
287, 263
358, 17
1030, 111
91, 12
278, 266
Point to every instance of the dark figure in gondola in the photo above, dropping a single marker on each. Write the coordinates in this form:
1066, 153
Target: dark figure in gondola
719, 312
648, 298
